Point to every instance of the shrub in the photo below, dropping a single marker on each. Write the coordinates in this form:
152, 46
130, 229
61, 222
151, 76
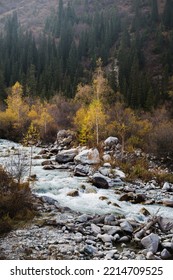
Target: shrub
15, 202
163, 139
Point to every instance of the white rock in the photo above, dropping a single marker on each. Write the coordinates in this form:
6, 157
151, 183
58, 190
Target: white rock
105, 237
151, 242
111, 141
89, 156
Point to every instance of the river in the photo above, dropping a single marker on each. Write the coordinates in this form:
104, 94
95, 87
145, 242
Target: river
58, 183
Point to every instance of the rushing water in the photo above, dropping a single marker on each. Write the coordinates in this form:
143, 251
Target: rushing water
58, 183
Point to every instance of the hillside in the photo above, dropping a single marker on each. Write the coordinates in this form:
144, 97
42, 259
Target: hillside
67, 38
31, 14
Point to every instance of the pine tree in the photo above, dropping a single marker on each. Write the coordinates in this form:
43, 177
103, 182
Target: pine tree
154, 11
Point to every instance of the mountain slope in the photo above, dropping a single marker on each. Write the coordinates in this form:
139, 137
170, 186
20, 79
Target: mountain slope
31, 14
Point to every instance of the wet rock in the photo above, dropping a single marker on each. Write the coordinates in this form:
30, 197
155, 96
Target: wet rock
144, 211
103, 197
47, 162
73, 193
82, 170
48, 167
43, 152
100, 182
168, 202
133, 197
151, 242
88, 156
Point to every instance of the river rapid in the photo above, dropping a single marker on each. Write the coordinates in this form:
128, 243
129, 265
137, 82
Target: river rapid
58, 183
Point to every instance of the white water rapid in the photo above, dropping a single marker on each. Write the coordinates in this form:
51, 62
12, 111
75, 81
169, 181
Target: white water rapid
58, 183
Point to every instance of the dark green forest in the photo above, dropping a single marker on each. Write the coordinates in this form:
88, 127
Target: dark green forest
64, 54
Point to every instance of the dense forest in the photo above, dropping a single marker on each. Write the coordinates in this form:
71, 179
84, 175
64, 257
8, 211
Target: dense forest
116, 56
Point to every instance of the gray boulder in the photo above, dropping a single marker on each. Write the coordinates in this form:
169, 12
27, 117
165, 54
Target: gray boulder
82, 170
111, 142
65, 138
88, 156
151, 242
66, 156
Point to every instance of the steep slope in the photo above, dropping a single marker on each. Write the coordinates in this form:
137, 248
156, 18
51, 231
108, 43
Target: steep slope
31, 14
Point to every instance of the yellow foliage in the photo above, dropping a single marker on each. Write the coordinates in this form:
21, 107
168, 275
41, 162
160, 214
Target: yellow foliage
40, 116
17, 108
90, 121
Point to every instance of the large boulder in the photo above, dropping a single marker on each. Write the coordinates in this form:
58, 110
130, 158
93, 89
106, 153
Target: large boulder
66, 156
65, 138
88, 156
111, 142
104, 182
82, 170
100, 182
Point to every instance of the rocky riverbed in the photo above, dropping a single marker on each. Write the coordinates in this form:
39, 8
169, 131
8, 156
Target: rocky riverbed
60, 233
87, 210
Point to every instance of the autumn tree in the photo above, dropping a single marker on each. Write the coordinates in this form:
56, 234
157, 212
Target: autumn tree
128, 127
16, 106
90, 118
40, 116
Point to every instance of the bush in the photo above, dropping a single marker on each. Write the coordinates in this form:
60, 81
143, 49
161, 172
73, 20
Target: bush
15, 202
162, 140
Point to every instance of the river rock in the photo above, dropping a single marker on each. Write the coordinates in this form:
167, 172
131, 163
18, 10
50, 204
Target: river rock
107, 158
100, 182
111, 230
126, 226
168, 202
111, 142
48, 167
82, 170
166, 187
88, 156
105, 170
66, 156
104, 182
95, 229
83, 218
73, 193
47, 162
151, 242
65, 138
165, 254
89, 250
166, 224
105, 237
133, 197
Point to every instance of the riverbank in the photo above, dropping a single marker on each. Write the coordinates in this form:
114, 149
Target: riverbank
58, 233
